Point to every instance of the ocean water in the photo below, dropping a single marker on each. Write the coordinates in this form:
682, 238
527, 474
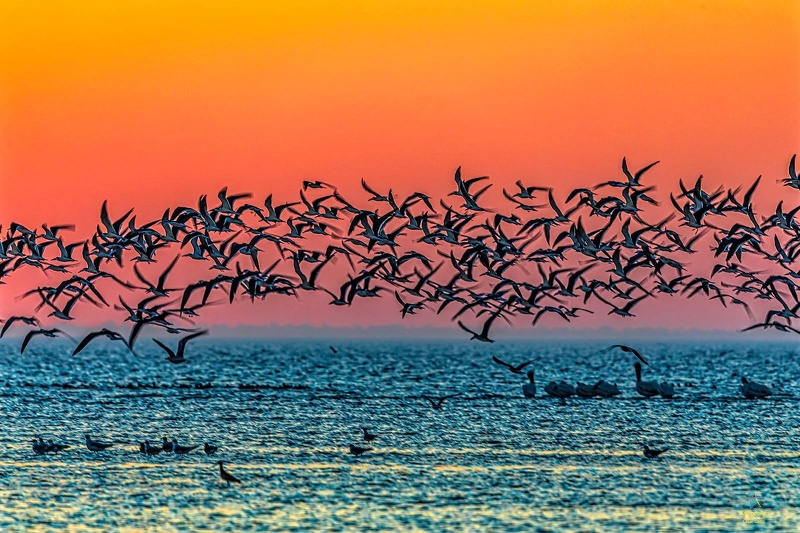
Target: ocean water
284, 413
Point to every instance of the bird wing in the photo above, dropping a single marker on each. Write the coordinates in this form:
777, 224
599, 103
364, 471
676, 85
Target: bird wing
163, 277
501, 362
28, 338
165, 348
523, 365
86, 340
187, 338
8, 325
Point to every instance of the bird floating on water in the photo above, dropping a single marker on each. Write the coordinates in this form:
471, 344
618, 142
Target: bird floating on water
96, 446
559, 390
651, 453
147, 449
53, 447
182, 450
666, 390
648, 389
752, 390
209, 449
606, 389
585, 391
529, 389
39, 446
358, 450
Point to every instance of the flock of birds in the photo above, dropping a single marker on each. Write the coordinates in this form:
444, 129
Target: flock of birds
535, 260
603, 389
561, 390
40, 447
592, 250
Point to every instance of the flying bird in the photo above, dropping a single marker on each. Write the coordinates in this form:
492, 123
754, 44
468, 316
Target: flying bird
178, 356
514, 369
627, 349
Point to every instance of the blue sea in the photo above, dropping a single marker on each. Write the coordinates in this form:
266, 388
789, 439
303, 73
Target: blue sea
284, 413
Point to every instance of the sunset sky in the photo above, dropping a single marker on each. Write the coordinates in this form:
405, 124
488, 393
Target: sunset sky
152, 103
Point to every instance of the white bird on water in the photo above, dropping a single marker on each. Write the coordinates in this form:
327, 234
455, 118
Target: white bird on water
585, 391
667, 390
752, 390
560, 390
647, 389
606, 389
529, 389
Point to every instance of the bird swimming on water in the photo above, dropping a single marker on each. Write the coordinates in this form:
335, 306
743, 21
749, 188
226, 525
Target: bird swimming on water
209, 449
752, 390
606, 389
559, 390
651, 453
182, 450
53, 447
39, 446
647, 389
147, 449
358, 450
585, 391
96, 446
529, 389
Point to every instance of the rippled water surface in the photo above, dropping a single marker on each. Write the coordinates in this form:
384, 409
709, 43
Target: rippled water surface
490, 460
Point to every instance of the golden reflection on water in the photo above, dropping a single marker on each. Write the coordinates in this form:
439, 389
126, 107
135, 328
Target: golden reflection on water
221, 505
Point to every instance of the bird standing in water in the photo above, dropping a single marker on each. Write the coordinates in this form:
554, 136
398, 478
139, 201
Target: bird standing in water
227, 476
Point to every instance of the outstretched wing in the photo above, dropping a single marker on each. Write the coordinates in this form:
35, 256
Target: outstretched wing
165, 348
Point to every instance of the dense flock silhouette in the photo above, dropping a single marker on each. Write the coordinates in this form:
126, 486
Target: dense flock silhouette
594, 250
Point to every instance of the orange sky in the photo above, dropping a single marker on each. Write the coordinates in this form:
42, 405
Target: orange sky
154, 103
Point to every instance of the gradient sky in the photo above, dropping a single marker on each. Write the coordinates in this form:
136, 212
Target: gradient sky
153, 103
